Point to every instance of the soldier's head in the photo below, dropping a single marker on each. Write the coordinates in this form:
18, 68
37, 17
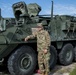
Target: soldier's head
41, 25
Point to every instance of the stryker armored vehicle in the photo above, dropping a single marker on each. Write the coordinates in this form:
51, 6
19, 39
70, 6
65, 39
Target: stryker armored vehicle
21, 56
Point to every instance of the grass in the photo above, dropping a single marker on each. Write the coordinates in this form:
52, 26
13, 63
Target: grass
73, 72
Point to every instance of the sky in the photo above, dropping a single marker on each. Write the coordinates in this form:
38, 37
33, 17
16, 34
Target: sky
61, 7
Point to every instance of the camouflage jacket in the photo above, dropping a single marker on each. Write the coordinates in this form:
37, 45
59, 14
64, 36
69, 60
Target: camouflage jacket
43, 39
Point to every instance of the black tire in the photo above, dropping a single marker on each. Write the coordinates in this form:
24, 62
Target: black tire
23, 61
53, 58
66, 55
75, 54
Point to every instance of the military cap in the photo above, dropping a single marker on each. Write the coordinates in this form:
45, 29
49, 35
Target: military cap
43, 23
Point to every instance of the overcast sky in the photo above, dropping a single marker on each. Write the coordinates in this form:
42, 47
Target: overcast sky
60, 6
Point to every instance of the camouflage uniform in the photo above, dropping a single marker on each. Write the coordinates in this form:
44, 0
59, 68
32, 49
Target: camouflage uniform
43, 42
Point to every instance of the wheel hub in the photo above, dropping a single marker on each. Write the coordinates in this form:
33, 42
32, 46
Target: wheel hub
68, 55
25, 62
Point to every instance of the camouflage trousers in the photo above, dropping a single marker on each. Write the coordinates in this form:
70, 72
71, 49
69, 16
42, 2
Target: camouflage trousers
43, 62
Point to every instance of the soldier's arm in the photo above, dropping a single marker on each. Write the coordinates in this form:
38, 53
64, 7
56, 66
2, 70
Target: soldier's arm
30, 37
48, 42
48, 39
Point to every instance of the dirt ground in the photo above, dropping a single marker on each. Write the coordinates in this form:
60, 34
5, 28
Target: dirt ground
63, 70
58, 70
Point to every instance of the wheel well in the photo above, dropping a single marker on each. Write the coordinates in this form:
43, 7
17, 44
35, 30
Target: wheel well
32, 45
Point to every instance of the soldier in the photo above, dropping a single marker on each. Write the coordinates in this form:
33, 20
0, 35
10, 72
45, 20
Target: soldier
43, 44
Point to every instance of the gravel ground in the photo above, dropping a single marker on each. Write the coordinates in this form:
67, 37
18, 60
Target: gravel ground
58, 70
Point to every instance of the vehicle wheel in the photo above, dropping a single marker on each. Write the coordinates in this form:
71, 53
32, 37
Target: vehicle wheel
23, 61
66, 55
75, 54
53, 58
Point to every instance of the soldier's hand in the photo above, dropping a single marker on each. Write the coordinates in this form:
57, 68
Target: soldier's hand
26, 39
45, 51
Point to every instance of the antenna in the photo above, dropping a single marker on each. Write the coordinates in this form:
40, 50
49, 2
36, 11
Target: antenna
0, 13
52, 11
